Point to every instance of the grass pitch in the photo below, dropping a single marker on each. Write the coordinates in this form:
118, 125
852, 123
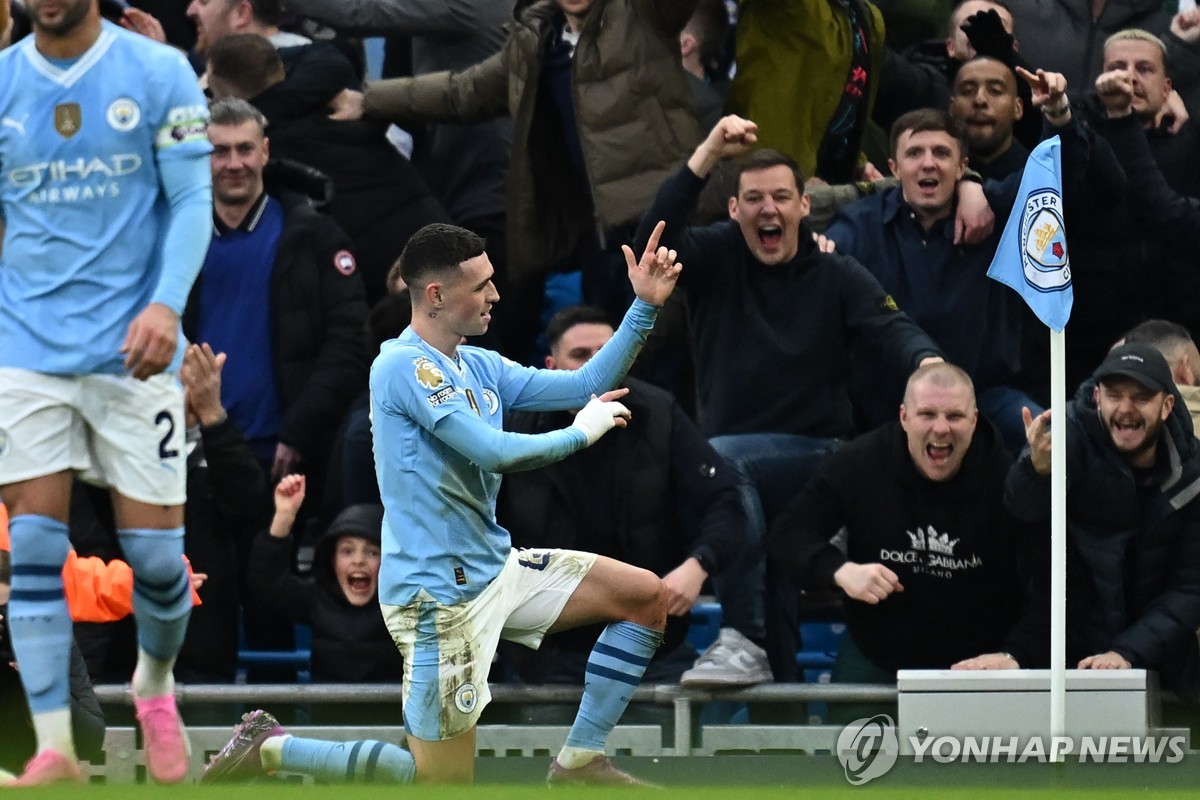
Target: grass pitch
507, 792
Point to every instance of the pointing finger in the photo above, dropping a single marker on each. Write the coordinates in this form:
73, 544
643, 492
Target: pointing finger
652, 244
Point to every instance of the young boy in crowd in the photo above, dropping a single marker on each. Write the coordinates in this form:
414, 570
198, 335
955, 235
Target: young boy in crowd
351, 643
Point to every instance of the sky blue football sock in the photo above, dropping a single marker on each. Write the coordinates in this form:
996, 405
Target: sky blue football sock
614, 670
365, 761
38, 617
162, 595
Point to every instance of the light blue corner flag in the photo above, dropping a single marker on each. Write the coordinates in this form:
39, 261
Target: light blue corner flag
1032, 257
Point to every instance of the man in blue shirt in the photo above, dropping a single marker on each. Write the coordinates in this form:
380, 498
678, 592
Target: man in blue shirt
106, 195
451, 585
905, 237
280, 294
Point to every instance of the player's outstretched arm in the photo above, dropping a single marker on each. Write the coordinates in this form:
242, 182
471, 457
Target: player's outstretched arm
601, 415
653, 278
502, 452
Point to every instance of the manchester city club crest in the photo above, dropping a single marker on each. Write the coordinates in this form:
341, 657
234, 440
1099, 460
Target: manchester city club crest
1044, 257
491, 401
123, 114
465, 698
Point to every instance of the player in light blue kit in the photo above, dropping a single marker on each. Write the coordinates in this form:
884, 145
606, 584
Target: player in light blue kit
451, 585
107, 201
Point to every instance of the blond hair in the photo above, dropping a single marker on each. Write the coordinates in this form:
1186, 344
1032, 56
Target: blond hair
942, 374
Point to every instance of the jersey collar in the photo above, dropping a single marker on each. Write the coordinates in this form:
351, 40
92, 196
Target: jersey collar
69, 76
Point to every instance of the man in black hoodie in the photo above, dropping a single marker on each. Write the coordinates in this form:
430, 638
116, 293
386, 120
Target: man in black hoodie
930, 568
1133, 473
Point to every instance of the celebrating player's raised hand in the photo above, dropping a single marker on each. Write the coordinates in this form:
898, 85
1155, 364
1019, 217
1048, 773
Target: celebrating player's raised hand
654, 276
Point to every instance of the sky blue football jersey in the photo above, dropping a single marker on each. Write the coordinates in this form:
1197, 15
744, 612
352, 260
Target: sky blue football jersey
85, 212
441, 540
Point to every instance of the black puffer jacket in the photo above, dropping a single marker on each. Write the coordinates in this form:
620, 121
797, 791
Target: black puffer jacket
379, 198
1140, 545
350, 643
649, 495
317, 313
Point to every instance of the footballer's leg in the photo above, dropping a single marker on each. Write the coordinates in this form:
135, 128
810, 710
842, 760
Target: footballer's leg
40, 623
447, 761
137, 439
41, 442
633, 600
260, 746
152, 540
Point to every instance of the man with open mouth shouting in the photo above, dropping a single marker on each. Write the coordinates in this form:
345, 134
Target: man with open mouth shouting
776, 322
929, 573
1133, 472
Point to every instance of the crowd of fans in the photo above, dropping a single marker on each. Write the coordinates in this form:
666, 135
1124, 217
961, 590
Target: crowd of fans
765, 405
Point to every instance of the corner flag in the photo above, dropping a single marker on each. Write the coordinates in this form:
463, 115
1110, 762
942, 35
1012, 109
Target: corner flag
1032, 257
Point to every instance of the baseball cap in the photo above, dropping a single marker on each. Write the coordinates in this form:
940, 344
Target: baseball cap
1139, 361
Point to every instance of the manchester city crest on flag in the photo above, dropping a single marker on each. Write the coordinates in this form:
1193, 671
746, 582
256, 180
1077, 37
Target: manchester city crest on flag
1044, 242
1032, 255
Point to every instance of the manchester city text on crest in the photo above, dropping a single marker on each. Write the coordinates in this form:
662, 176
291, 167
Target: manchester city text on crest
1044, 256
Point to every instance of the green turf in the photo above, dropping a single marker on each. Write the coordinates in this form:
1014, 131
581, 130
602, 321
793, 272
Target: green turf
726, 777
504, 792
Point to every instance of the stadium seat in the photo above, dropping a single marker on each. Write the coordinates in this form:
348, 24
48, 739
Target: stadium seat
300, 657
706, 624
820, 641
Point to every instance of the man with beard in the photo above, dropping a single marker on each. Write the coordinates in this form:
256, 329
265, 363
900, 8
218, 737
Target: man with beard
986, 101
1152, 272
1133, 471
922, 75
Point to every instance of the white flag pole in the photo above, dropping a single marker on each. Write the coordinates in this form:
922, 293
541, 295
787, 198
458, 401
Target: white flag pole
1058, 536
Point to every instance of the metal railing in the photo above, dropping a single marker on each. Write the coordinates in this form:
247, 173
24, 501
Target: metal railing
124, 759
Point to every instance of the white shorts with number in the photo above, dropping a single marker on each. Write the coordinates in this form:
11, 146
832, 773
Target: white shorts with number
115, 431
448, 650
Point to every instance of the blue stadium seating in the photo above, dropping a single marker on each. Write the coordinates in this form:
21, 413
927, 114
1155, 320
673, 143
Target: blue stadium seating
299, 657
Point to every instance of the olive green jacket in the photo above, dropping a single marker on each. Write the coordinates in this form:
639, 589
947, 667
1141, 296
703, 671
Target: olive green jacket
793, 57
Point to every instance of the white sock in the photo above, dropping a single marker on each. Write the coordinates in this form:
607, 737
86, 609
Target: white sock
152, 676
271, 753
576, 757
53, 729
